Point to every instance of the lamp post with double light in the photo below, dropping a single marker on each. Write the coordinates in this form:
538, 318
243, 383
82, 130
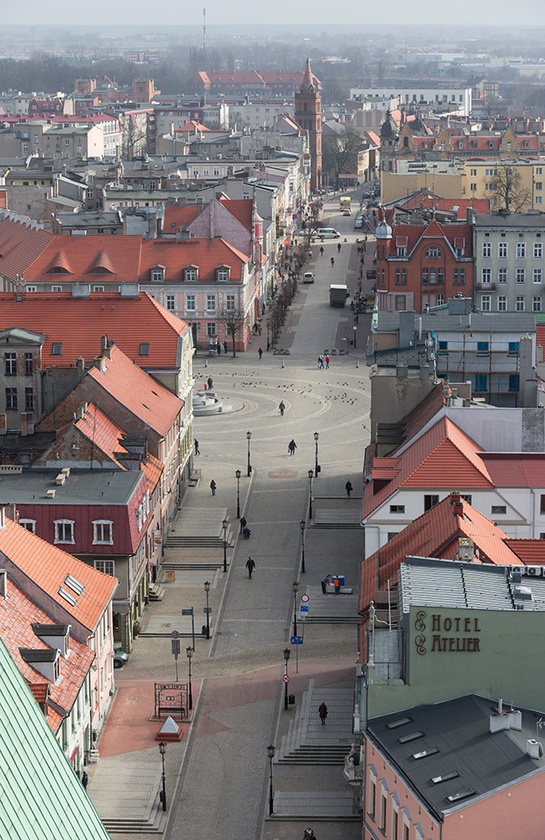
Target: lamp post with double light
316, 464
271, 749
162, 750
303, 526
207, 591
237, 476
310, 477
249, 438
224, 525
189, 652
287, 654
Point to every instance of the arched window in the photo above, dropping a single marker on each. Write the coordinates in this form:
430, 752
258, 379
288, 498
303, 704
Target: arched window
433, 253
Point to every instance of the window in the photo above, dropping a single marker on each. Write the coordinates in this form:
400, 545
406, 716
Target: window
64, 531
190, 274
481, 382
502, 275
539, 170
537, 275
483, 348
383, 804
210, 303
498, 509
536, 303
442, 346
211, 329
11, 399
401, 277
29, 364
440, 299
502, 303
513, 381
486, 303
397, 508
28, 524
538, 250
521, 250
103, 532
106, 566
430, 501
31, 289
425, 276
56, 348
473, 173
490, 173
144, 348
473, 187
459, 276
10, 364
514, 348
372, 795
503, 251
66, 141
171, 303
539, 185
487, 249
486, 275
29, 399
230, 301
222, 274
190, 303
56, 288
433, 253
520, 275
395, 824
539, 199
519, 303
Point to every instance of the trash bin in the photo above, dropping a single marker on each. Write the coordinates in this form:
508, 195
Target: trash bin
291, 699
203, 630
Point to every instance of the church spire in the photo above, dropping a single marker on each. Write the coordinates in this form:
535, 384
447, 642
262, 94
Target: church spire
308, 80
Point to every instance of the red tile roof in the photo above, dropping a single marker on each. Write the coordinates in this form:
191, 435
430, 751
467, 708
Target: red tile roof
79, 323
240, 208
531, 552
525, 469
443, 457
47, 567
134, 389
177, 217
540, 335
417, 234
20, 245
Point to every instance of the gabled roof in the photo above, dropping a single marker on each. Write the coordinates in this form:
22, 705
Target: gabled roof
32, 806
136, 391
78, 324
177, 217
20, 245
240, 208
47, 567
444, 457
530, 552
521, 469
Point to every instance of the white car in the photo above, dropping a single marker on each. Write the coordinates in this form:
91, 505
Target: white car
308, 277
326, 233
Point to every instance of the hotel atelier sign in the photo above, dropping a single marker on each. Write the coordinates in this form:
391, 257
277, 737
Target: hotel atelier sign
446, 634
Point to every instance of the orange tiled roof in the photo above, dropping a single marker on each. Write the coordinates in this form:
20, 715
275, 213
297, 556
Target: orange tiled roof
177, 217
20, 245
134, 389
523, 469
531, 552
47, 566
415, 234
436, 534
540, 335
443, 457
79, 323
240, 208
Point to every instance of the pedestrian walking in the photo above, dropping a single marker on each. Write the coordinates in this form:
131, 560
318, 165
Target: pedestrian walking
348, 487
321, 250
325, 581
309, 834
338, 247
242, 524
210, 383
337, 585
292, 446
322, 711
332, 260
327, 360
213, 486
281, 408
260, 351
321, 362
196, 445
84, 779
250, 565
225, 347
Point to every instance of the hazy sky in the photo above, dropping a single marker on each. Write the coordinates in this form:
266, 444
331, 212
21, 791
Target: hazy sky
162, 12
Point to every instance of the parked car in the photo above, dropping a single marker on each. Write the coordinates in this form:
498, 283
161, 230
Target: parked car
120, 658
308, 277
358, 223
347, 212
326, 233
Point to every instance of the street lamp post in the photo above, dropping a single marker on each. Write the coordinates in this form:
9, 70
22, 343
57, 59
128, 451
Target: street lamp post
189, 652
237, 476
248, 438
310, 476
316, 465
355, 335
271, 749
303, 525
207, 591
268, 338
225, 523
287, 653
295, 589
162, 750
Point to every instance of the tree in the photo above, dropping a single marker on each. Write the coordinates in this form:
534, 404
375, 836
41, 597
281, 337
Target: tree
340, 153
509, 194
233, 321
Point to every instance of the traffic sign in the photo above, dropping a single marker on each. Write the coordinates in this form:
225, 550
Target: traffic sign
296, 640
305, 598
304, 608
286, 678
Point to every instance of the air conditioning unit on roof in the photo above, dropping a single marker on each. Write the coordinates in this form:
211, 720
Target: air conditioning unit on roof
534, 571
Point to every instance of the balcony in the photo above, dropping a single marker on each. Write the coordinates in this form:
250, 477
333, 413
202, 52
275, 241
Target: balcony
486, 287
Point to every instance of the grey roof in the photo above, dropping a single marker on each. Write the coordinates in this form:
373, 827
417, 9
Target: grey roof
82, 487
458, 733
426, 582
440, 320
511, 220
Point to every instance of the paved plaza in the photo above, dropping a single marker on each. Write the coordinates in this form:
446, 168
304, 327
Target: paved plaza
217, 776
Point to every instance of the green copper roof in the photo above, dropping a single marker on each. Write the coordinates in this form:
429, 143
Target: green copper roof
40, 795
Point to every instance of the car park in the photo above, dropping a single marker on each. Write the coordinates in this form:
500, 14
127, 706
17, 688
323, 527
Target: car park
308, 277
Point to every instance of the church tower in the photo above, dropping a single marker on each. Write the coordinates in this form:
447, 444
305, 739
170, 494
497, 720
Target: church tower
389, 138
308, 114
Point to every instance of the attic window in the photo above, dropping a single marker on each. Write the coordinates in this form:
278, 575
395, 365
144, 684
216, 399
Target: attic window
399, 722
463, 794
446, 777
56, 349
191, 274
144, 348
413, 736
223, 273
425, 753
157, 274
58, 269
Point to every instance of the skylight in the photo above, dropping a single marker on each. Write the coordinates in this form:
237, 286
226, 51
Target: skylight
67, 597
399, 722
425, 753
411, 737
446, 777
463, 794
74, 585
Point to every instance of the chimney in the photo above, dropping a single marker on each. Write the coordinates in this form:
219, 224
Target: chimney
105, 346
457, 504
534, 749
80, 365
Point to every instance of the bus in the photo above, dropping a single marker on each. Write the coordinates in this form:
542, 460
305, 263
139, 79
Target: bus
345, 205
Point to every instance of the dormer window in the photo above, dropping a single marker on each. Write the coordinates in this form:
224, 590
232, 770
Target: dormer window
158, 274
191, 274
223, 274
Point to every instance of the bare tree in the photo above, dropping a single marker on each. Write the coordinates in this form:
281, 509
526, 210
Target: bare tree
340, 153
233, 321
509, 193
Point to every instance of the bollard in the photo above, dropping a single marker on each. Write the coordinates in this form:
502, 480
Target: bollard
206, 362
283, 365
357, 363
